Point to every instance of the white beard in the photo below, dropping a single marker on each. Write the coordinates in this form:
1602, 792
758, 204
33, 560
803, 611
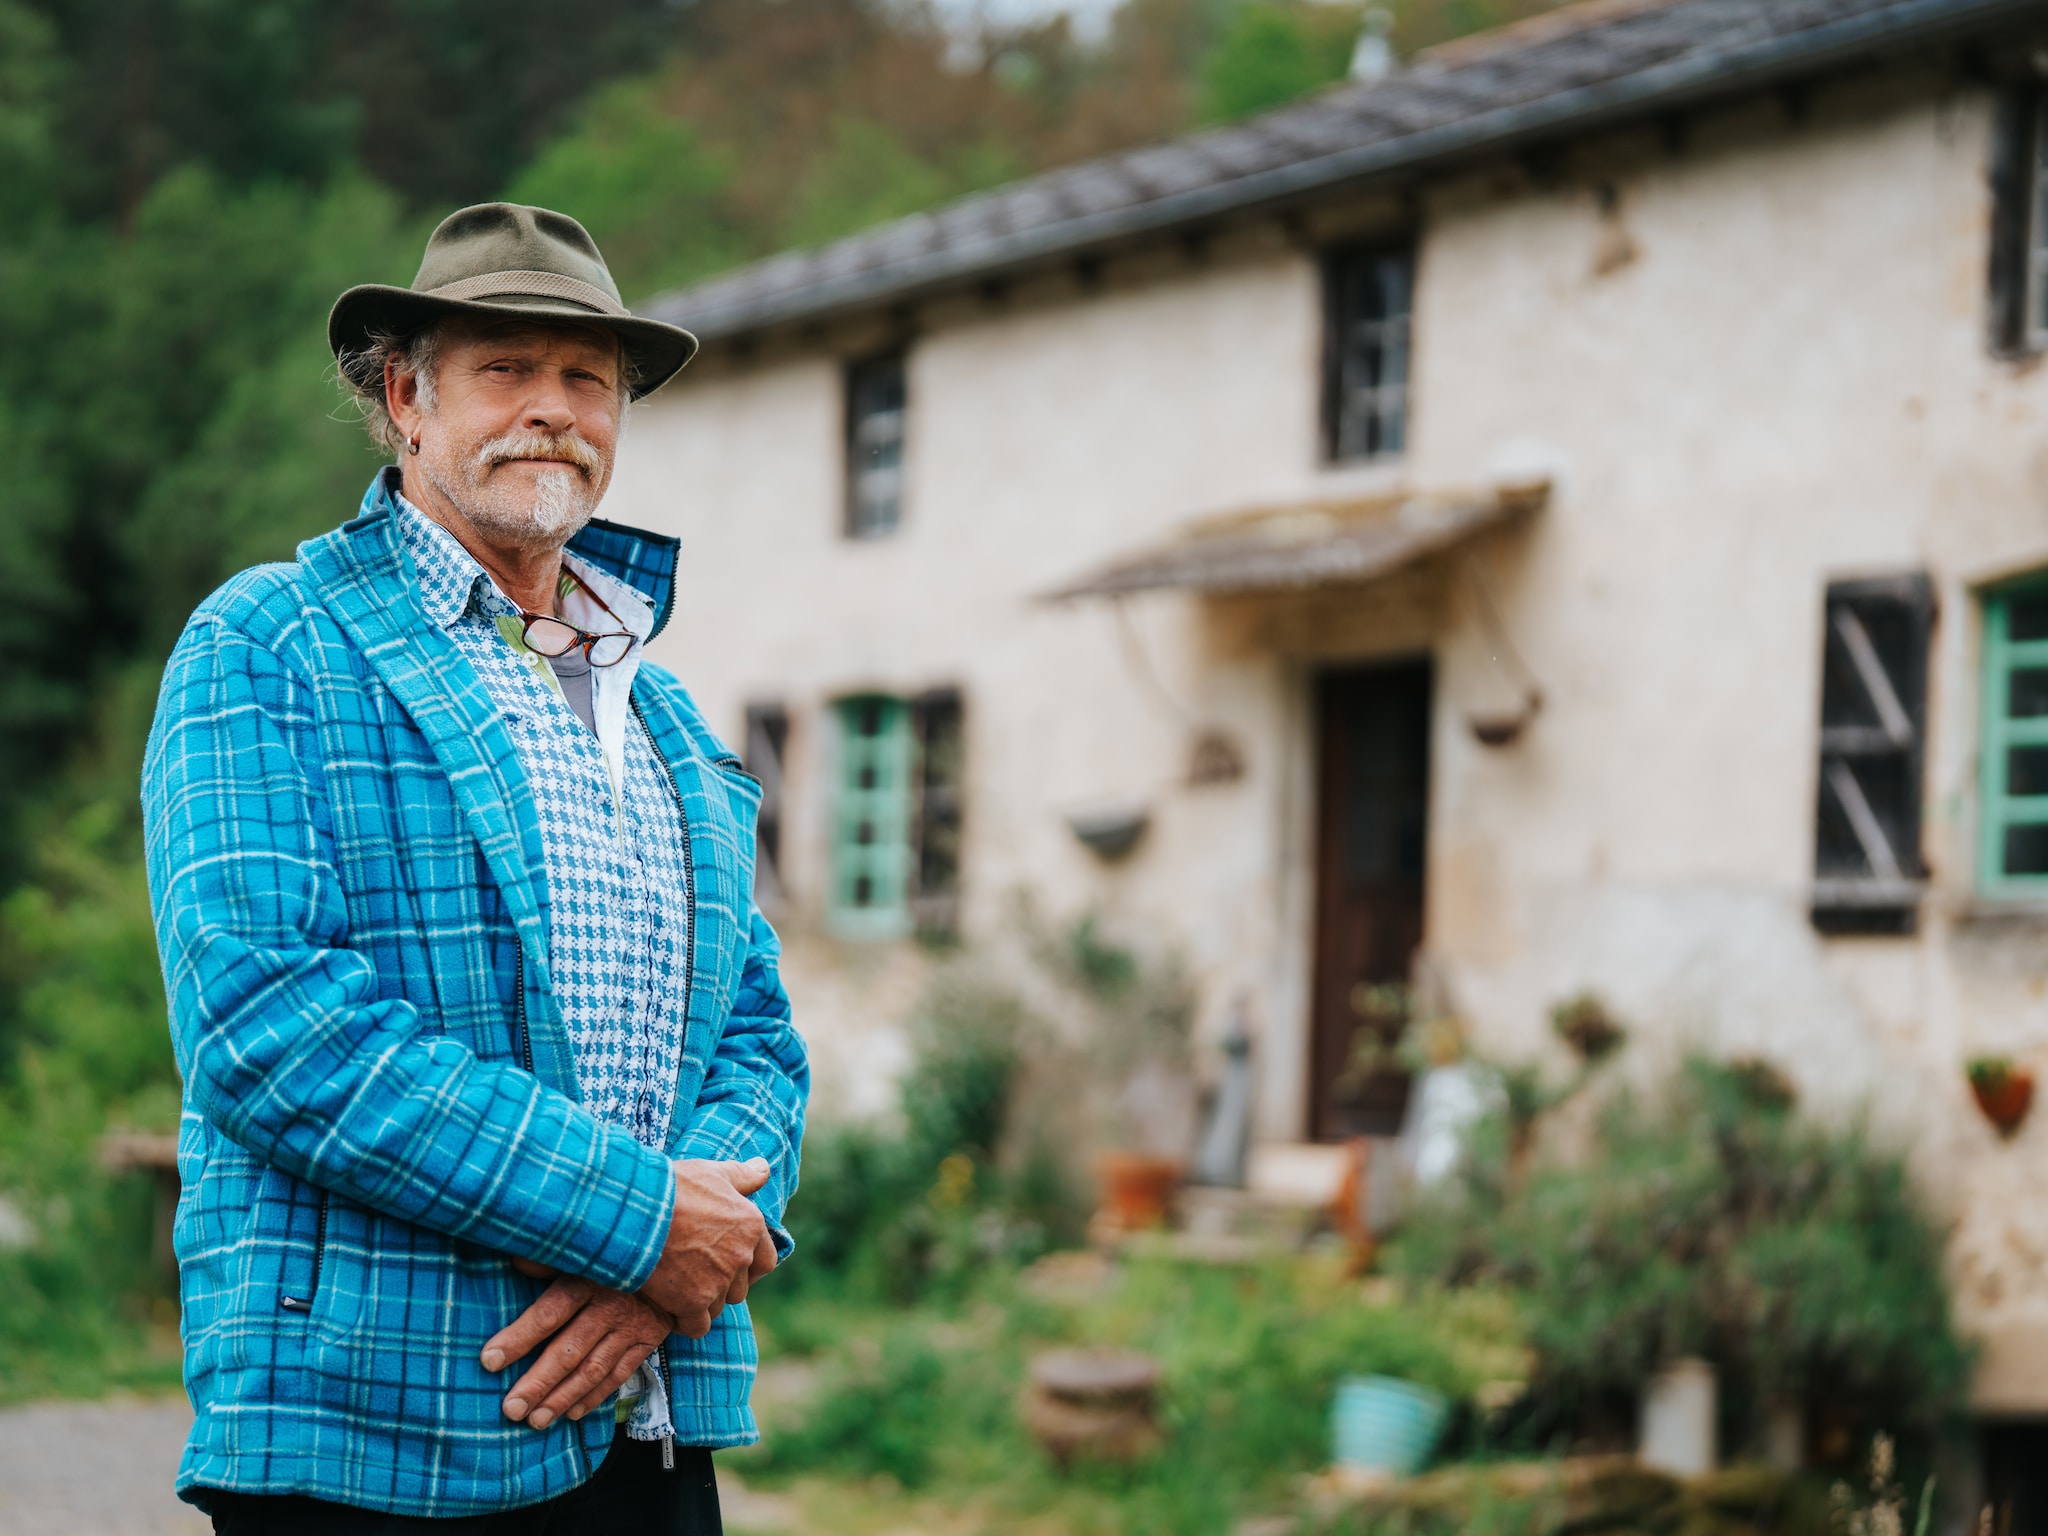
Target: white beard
560, 502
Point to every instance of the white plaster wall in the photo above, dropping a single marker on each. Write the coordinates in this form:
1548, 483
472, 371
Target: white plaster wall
1787, 383
1044, 438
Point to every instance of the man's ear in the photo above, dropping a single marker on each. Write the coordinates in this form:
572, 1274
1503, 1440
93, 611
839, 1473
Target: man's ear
402, 397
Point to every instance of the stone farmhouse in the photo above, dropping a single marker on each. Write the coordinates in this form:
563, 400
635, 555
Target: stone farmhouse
1569, 515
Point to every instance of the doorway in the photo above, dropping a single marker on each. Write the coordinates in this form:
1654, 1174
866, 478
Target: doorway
1372, 804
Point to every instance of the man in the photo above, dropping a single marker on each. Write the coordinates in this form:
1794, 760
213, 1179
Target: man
492, 1100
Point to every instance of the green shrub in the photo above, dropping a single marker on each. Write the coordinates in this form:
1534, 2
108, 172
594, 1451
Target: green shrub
969, 1042
889, 1214
882, 1415
1714, 1220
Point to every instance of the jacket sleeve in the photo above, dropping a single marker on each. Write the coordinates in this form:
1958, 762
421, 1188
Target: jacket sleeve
752, 1101
283, 1041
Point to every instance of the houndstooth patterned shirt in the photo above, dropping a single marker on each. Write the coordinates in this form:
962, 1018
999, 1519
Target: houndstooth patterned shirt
618, 887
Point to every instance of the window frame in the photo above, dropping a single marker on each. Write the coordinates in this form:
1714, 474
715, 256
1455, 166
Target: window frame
2000, 731
1338, 436
858, 379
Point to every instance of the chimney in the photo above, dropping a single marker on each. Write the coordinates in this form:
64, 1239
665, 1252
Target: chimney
1373, 57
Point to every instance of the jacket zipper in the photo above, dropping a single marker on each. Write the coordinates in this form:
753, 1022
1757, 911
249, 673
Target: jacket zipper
305, 1303
668, 1441
519, 1006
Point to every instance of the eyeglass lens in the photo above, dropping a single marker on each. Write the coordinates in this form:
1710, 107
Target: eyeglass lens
551, 637
556, 637
609, 650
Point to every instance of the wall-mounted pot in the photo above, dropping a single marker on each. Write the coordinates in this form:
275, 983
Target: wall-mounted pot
2004, 1091
1110, 832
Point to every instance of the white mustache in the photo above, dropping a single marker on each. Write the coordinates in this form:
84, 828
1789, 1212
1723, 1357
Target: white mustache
564, 447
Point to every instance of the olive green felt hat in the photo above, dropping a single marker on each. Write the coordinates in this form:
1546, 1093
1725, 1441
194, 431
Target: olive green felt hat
504, 259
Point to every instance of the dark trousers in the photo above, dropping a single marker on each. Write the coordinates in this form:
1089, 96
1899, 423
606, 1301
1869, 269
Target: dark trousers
631, 1494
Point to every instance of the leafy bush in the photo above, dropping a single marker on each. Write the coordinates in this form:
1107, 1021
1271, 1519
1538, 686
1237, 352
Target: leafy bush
83, 1046
1714, 1221
888, 1212
883, 1415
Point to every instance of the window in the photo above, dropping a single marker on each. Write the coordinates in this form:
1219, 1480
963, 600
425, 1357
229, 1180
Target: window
897, 819
1368, 297
2019, 232
875, 401
1867, 867
871, 831
2013, 853
767, 749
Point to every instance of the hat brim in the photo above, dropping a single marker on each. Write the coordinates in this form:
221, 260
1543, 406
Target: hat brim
655, 352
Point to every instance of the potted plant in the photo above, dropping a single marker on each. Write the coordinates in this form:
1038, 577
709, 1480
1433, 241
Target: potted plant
1139, 1021
2004, 1091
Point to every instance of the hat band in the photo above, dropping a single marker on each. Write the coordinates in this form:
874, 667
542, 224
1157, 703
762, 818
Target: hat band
530, 285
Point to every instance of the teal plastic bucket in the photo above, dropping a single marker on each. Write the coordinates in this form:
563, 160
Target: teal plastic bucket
1381, 1424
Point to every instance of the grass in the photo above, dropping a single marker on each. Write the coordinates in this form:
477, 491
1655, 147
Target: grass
913, 1411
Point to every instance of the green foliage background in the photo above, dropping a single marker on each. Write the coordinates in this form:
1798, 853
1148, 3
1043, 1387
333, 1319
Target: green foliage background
184, 188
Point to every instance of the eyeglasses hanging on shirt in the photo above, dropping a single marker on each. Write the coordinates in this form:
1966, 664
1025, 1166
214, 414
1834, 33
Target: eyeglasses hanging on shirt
552, 637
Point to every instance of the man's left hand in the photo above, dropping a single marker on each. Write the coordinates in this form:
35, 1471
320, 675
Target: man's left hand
596, 1339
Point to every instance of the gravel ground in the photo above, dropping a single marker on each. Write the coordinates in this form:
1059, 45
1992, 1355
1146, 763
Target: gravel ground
105, 1469
95, 1469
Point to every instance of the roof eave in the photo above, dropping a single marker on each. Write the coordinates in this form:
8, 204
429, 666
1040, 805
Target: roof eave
1683, 82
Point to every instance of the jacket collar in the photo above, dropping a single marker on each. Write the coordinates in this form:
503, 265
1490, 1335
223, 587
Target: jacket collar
601, 560
643, 562
362, 578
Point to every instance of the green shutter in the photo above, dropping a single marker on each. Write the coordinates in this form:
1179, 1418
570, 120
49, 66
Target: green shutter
2013, 849
871, 848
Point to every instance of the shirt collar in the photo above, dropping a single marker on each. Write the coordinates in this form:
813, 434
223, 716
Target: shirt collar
451, 581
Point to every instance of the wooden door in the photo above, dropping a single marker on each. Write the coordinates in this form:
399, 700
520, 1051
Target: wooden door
1372, 818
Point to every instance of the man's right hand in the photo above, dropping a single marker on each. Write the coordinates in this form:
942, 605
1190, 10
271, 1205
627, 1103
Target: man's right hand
717, 1244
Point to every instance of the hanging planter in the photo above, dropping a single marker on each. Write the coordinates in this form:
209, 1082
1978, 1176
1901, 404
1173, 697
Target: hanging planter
2004, 1092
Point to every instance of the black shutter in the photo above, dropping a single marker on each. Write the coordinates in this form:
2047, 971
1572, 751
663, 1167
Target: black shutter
1873, 727
2015, 135
767, 746
938, 721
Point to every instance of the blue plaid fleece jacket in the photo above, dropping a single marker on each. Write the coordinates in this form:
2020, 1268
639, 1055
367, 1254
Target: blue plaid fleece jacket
380, 1096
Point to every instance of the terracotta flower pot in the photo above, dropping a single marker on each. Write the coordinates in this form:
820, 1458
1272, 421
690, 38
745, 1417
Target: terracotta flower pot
1136, 1189
2005, 1097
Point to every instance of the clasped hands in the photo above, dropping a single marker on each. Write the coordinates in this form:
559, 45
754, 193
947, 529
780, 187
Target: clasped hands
717, 1247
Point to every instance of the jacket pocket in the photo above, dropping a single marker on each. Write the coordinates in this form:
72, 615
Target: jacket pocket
304, 1302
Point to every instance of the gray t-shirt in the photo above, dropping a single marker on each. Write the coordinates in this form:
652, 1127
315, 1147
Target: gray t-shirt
572, 671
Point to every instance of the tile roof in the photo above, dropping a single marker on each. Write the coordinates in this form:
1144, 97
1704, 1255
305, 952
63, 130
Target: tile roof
1560, 72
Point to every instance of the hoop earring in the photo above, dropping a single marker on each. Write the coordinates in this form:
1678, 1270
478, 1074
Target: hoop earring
412, 445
